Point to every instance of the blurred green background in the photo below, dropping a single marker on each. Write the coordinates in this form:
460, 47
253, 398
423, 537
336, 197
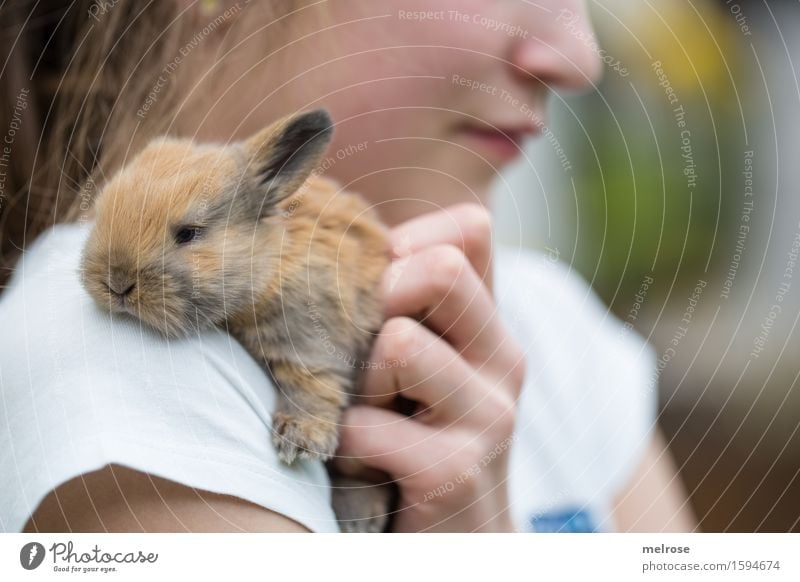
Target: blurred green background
635, 205
638, 213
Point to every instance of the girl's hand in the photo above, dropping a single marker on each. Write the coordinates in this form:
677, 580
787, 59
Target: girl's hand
444, 348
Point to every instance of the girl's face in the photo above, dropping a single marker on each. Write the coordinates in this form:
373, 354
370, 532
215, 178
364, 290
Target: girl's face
430, 99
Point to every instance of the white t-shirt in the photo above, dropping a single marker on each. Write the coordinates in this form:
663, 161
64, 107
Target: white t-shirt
79, 390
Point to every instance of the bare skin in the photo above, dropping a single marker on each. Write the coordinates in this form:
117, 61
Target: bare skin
120, 499
655, 499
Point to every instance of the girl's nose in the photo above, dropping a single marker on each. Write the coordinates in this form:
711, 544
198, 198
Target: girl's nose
563, 55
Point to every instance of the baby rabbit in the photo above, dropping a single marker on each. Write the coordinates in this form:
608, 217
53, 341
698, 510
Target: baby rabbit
247, 237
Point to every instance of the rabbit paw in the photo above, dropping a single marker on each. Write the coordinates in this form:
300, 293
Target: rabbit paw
303, 437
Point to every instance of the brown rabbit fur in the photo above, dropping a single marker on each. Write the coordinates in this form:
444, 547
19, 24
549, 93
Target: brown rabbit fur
246, 237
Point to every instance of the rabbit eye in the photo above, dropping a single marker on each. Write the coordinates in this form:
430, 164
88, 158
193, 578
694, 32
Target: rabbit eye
187, 234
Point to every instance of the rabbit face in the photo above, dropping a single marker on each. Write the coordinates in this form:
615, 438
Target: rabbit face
158, 249
187, 235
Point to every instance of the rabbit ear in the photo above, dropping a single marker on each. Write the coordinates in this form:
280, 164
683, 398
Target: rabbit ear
282, 156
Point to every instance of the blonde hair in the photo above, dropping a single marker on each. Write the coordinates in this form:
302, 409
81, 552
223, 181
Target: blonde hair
86, 83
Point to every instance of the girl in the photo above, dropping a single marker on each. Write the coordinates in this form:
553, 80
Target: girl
539, 408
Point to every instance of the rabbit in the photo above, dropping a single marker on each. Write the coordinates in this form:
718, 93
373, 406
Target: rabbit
249, 238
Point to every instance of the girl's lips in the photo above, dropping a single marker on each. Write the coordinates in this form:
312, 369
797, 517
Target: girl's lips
503, 143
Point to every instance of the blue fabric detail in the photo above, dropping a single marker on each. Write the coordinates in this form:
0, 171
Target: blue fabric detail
566, 520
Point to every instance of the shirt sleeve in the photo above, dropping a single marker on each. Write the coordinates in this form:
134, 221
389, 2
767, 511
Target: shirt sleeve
80, 389
589, 404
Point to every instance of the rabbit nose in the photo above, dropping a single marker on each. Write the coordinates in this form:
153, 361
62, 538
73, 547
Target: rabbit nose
120, 284
124, 292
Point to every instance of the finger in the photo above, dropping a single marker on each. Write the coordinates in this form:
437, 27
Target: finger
465, 226
409, 360
383, 440
439, 286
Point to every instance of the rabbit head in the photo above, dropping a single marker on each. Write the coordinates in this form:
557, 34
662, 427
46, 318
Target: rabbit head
182, 235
